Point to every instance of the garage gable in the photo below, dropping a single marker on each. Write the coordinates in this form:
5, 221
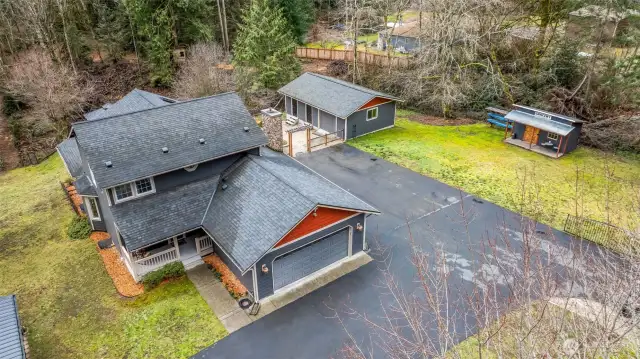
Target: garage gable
374, 102
318, 219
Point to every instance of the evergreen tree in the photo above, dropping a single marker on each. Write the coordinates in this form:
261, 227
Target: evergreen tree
264, 51
299, 16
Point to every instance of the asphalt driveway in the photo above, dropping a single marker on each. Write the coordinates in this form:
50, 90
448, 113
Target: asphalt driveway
308, 328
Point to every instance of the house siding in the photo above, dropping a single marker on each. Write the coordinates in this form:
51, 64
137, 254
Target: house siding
327, 121
409, 43
571, 140
168, 181
246, 279
323, 217
357, 124
265, 280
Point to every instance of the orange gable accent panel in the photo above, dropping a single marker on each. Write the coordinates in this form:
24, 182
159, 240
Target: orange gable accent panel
324, 217
375, 102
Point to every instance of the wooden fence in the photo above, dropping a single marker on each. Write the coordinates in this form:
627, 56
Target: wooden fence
347, 55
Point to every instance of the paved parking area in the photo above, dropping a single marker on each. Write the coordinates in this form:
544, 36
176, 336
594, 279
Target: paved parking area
307, 327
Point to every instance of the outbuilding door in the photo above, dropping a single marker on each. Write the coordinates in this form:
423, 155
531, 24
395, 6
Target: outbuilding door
531, 134
304, 261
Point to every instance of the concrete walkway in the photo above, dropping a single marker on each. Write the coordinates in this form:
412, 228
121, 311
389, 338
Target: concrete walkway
218, 298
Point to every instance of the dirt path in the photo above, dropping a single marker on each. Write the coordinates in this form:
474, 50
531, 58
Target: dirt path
9, 157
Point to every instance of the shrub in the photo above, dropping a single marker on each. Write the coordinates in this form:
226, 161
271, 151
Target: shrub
169, 271
11, 105
79, 228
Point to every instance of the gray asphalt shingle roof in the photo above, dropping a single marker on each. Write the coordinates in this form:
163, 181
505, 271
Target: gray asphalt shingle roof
136, 100
133, 142
68, 150
84, 187
339, 98
158, 216
265, 197
11, 342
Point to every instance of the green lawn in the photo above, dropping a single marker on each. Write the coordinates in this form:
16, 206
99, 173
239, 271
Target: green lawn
474, 158
67, 301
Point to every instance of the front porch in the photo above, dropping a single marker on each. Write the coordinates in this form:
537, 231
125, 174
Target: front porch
189, 248
550, 152
304, 137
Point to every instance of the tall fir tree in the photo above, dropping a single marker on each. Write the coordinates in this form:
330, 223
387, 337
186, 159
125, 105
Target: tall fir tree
299, 14
264, 51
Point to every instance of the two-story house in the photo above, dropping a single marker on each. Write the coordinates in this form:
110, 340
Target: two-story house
173, 181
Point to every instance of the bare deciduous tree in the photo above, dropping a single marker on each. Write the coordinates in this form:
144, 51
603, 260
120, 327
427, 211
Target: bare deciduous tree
204, 73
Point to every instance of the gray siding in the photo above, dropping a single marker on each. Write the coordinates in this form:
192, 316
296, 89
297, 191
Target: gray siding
246, 279
99, 226
327, 121
314, 114
265, 280
357, 124
571, 140
287, 105
341, 123
169, 181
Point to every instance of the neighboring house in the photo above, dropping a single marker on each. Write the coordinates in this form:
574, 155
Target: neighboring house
337, 106
183, 180
401, 36
541, 131
593, 21
13, 344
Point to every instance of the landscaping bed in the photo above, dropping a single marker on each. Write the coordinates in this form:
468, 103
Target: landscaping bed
224, 274
585, 182
122, 279
67, 299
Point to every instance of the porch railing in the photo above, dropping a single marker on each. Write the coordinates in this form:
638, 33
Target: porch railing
153, 262
205, 245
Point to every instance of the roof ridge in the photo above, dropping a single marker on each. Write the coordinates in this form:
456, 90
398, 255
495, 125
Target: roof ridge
341, 83
280, 179
139, 93
154, 108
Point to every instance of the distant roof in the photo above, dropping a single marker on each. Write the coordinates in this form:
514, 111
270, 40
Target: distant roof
407, 29
11, 340
135, 100
602, 12
68, 150
147, 220
337, 97
247, 219
539, 122
133, 142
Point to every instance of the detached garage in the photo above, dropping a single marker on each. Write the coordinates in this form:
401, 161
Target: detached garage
335, 106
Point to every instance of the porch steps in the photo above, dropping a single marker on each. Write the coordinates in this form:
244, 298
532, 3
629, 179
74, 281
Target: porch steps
192, 262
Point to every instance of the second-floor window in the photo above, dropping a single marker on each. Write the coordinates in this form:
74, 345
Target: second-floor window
133, 189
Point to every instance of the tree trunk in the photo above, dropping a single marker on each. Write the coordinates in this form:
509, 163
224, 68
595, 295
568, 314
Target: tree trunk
62, 7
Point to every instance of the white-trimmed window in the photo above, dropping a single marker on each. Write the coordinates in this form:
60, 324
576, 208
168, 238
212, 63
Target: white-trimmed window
131, 190
92, 208
552, 136
372, 114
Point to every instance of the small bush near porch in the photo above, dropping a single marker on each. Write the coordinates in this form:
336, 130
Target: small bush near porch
67, 301
474, 158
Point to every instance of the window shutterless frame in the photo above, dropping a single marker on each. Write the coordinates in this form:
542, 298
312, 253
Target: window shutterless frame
93, 209
133, 189
372, 113
552, 136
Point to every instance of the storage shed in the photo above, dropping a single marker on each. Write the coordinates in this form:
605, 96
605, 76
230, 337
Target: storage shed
544, 132
12, 342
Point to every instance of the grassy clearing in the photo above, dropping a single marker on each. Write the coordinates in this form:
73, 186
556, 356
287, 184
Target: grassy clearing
536, 334
474, 158
67, 301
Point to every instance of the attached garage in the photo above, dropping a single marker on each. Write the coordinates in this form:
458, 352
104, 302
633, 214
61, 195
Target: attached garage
309, 259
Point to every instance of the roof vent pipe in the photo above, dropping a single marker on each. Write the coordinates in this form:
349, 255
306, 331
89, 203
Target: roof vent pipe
202, 141
246, 129
165, 150
108, 164
224, 186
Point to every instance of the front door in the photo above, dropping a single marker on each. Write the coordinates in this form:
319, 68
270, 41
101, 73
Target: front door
353, 131
531, 134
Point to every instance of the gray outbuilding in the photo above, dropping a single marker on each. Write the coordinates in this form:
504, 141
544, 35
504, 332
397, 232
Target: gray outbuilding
544, 132
339, 107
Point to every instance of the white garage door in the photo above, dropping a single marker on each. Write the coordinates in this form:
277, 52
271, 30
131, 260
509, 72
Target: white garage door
309, 259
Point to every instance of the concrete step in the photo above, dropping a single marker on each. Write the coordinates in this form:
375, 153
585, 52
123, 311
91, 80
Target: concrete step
192, 262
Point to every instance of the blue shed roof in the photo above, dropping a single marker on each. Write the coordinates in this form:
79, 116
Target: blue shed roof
11, 342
